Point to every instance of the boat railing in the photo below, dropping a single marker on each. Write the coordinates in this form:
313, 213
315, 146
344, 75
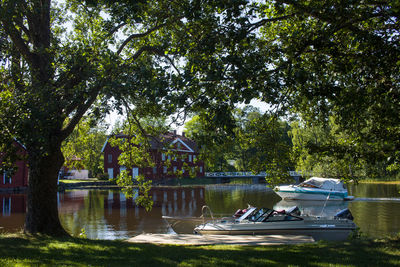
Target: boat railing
203, 213
205, 210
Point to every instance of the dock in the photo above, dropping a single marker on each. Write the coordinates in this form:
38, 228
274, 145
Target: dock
192, 239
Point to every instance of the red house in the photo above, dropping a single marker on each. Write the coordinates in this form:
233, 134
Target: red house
185, 158
20, 177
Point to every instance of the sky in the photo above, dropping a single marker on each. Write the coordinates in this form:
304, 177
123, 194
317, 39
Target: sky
114, 117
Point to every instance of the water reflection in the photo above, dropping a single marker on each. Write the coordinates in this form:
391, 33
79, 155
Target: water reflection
376, 218
316, 208
375, 190
108, 214
12, 211
226, 199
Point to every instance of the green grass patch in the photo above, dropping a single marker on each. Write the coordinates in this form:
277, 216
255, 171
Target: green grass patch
370, 181
67, 181
207, 181
21, 250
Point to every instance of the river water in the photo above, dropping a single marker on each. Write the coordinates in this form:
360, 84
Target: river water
107, 214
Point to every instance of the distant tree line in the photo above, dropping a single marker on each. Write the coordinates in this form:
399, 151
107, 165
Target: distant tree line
262, 142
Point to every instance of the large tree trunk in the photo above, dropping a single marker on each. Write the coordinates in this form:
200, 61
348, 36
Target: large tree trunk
42, 214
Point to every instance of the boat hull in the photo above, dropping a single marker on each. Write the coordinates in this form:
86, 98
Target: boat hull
184, 225
297, 193
334, 230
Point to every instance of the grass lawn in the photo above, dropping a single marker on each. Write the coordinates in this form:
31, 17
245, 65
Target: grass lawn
20, 250
378, 182
68, 181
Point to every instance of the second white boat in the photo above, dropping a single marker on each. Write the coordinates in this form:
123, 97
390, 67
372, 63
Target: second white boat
315, 188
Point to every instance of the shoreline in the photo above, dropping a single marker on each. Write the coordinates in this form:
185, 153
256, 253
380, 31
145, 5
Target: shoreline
105, 185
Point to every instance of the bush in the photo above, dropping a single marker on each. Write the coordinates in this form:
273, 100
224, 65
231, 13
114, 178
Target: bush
102, 176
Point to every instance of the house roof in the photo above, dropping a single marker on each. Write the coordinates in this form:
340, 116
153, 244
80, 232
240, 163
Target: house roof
164, 140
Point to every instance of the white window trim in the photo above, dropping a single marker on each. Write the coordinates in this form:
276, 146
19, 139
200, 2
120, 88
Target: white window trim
134, 177
5, 177
112, 173
7, 212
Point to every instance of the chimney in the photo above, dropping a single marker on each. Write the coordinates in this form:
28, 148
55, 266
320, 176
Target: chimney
174, 132
183, 134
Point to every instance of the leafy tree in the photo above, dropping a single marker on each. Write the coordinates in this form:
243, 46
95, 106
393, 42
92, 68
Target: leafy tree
61, 59
215, 146
85, 143
258, 143
328, 152
135, 146
266, 146
340, 61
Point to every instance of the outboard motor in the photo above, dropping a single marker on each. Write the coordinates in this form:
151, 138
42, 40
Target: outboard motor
344, 214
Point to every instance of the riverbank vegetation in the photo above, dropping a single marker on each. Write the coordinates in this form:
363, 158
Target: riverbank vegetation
24, 250
261, 142
324, 62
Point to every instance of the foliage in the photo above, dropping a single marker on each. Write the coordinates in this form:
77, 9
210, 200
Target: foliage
83, 233
59, 60
85, 144
327, 152
262, 139
215, 146
258, 143
341, 63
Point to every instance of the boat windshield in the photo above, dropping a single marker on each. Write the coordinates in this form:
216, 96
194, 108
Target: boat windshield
260, 215
270, 215
244, 216
324, 183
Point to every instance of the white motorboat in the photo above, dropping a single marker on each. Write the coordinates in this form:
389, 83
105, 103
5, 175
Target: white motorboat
315, 188
271, 222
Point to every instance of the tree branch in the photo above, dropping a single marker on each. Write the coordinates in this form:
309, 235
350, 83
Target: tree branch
81, 110
146, 48
115, 29
19, 42
262, 22
139, 35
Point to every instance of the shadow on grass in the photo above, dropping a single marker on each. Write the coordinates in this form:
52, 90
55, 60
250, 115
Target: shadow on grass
74, 251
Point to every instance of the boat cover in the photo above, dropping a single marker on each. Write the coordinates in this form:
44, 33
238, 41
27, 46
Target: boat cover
324, 183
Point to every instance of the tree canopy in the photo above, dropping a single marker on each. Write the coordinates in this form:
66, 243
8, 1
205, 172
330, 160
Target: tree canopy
343, 65
258, 143
84, 144
62, 60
